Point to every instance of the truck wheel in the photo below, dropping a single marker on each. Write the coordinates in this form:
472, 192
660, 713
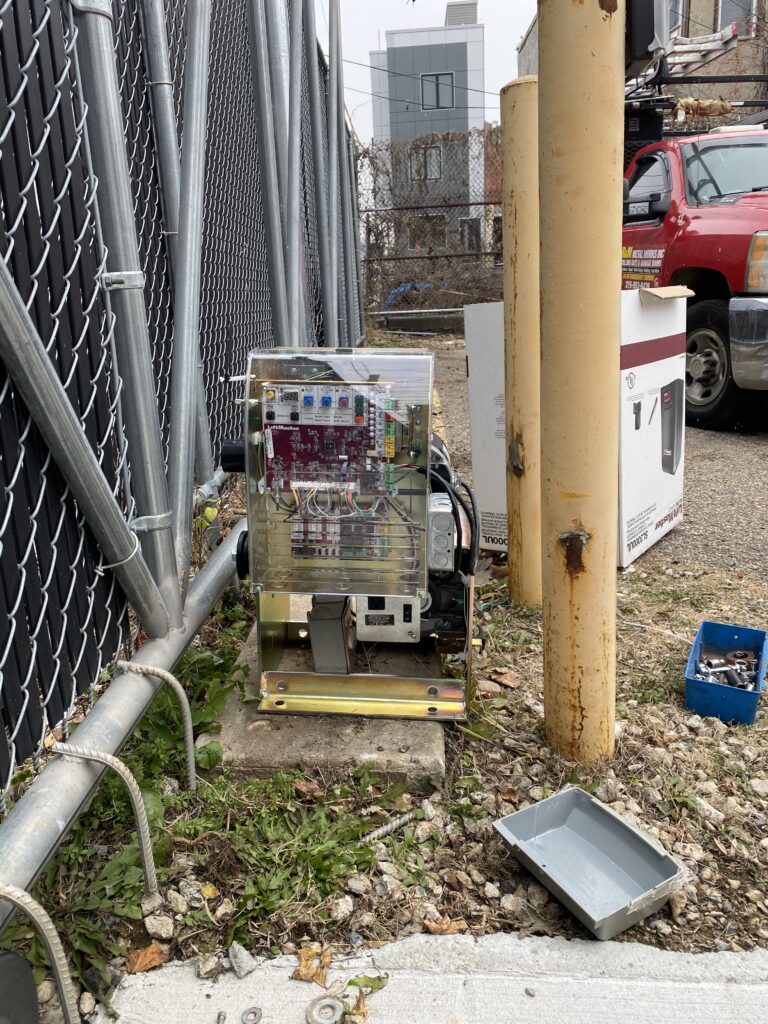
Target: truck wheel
711, 397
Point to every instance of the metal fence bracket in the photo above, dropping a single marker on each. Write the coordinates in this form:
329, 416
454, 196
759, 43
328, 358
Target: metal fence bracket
122, 279
94, 7
145, 524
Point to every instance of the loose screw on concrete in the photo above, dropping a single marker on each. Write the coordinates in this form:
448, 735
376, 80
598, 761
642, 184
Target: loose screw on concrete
139, 810
186, 714
50, 938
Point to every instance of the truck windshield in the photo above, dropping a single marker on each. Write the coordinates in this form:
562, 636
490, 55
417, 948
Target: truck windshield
725, 169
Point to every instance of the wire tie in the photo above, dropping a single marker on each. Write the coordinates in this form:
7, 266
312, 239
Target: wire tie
100, 570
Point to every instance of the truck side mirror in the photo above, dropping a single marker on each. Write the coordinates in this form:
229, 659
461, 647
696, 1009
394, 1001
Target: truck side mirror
655, 207
626, 190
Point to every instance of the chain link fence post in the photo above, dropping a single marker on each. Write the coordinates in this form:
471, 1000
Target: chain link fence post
125, 278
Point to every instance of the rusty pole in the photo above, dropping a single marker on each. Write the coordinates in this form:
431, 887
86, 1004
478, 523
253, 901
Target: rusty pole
520, 220
581, 94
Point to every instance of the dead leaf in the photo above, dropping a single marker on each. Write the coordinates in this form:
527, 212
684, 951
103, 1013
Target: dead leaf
209, 891
308, 789
508, 794
499, 572
446, 926
313, 968
506, 677
146, 959
361, 1010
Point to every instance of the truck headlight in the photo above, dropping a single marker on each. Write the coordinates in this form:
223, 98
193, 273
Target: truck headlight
757, 264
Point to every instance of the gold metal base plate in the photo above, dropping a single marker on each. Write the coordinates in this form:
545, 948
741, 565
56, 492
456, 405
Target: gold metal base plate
374, 696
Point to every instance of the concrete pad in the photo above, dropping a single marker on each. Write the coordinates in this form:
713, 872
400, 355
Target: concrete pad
257, 744
498, 979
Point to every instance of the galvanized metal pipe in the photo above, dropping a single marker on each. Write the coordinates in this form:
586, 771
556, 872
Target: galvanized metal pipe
293, 260
278, 48
320, 164
332, 106
96, 62
169, 168
353, 199
186, 346
348, 282
262, 94
53, 947
137, 802
36, 826
32, 372
163, 117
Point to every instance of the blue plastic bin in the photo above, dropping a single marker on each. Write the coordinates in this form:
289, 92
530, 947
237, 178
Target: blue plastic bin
718, 700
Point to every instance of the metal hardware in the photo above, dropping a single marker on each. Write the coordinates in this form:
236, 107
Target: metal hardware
221, 1016
145, 524
252, 1016
57, 958
325, 1010
137, 802
186, 712
94, 7
375, 696
122, 280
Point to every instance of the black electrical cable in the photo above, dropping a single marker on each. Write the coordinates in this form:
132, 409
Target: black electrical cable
475, 526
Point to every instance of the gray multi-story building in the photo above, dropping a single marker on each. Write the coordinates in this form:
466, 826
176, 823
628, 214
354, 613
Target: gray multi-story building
428, 98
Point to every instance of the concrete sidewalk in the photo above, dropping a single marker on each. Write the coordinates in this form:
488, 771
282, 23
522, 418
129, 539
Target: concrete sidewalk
498, 979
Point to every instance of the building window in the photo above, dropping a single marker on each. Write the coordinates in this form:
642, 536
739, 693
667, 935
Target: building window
427, 233
427, 163
469, 229
437, 91
676, 17
739, 11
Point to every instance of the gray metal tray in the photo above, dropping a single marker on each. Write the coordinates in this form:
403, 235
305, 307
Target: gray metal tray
607, 872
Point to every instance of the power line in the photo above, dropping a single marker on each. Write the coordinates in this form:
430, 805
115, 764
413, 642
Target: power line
417, 78
381, 96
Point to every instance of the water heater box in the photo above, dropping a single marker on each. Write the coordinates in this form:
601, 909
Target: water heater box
337, 444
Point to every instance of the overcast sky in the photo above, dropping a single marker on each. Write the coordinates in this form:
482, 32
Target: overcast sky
364, 22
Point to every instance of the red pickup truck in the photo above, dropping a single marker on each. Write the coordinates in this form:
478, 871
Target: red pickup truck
696, 214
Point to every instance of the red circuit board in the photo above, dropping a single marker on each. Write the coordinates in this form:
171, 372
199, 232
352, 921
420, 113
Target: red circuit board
333, 454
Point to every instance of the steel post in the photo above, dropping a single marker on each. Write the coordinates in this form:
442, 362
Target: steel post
348, 284
185, 371
262, 95
34, 829
169, 168
581, 67
320, 164
163, 117
522, 335
353, 199
294, 248
96, 62
332, 106
278, 49
33, 374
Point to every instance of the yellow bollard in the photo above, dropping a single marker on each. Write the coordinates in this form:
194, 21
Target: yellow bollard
522, 352
581, 98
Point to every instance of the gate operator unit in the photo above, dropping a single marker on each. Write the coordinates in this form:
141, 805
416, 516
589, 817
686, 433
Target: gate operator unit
338, 471
353, 503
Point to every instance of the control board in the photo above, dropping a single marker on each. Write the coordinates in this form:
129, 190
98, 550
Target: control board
338, 469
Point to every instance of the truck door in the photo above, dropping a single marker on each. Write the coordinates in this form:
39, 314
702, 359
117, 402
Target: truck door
646, 233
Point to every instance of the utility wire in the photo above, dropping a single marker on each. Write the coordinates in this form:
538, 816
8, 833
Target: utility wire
417, 78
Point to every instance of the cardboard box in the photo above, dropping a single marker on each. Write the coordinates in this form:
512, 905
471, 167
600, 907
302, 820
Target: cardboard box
484, 338
652, 417
652, 433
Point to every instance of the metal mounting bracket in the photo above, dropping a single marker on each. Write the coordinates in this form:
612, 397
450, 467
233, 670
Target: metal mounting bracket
122, 280
374, 696
94, 7
146, 524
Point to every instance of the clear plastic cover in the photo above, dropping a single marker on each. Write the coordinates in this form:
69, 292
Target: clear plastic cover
338, 469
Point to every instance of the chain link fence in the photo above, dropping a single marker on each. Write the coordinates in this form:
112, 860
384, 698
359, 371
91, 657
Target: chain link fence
63, 617
430, 213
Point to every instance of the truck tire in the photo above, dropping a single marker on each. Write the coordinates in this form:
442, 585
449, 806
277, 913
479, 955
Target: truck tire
711, 398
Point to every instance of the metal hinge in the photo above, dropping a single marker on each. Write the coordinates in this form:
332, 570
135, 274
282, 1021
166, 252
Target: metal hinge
120, 280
